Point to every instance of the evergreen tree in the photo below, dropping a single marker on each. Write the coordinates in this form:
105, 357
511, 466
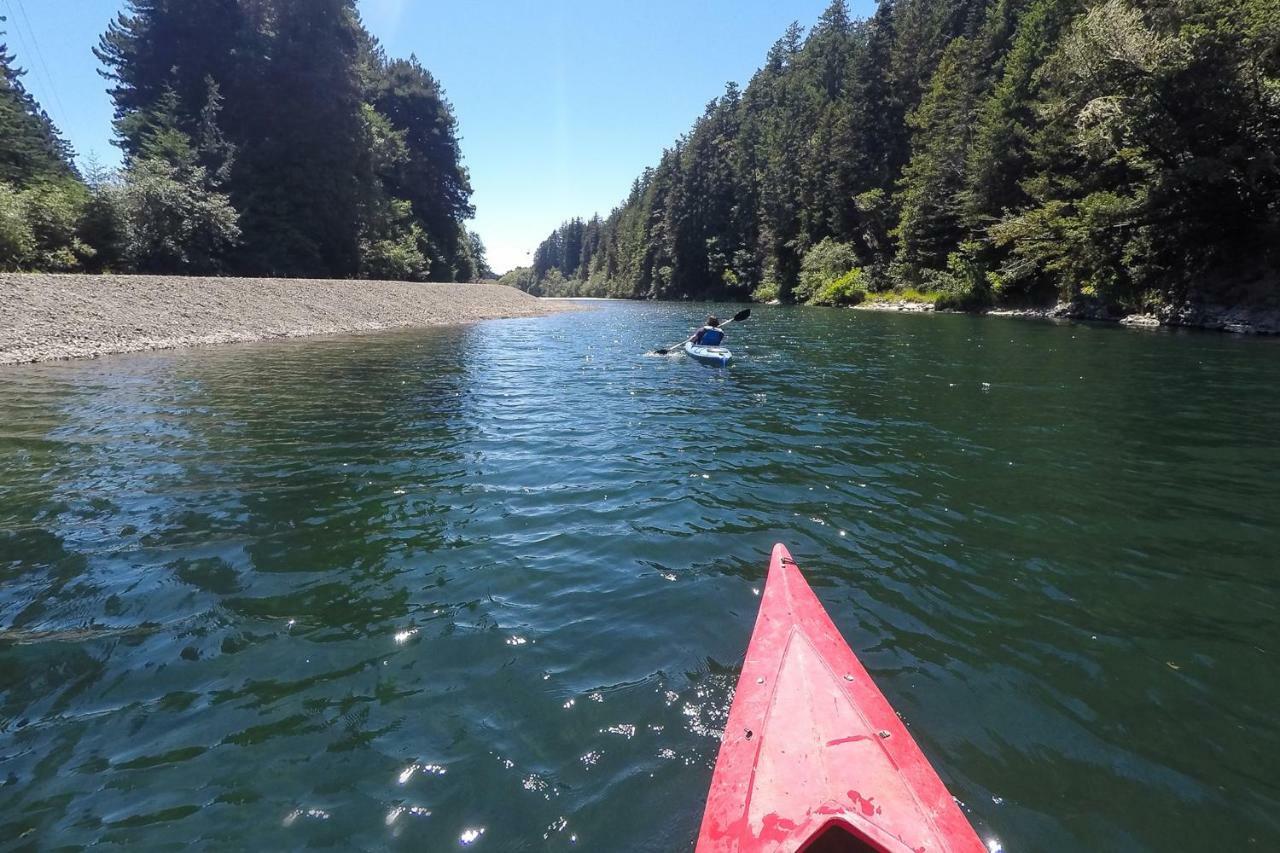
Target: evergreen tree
999, 159
299, 177
431, 178
1146, 166
1007, 149
30, 146
878, 119
827, 50
339, 161
933, 182
181, 48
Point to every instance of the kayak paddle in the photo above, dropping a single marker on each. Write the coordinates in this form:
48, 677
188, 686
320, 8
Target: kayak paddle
737, 318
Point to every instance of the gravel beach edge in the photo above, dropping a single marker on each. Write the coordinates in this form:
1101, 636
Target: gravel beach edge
48, 317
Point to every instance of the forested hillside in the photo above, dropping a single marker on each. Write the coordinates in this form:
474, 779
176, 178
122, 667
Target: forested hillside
260, 137
976, 151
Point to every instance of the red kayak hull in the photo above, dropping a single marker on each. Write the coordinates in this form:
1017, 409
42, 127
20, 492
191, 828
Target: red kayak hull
813, 756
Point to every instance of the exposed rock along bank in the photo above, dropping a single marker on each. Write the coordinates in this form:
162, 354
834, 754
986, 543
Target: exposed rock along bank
1239, 320
44, 317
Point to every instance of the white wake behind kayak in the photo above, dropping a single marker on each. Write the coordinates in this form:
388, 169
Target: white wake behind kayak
718, 356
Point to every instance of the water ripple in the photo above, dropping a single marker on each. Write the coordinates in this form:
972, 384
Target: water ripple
490, 587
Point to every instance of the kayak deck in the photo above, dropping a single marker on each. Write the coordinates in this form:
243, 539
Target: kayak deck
813, 757
718, 356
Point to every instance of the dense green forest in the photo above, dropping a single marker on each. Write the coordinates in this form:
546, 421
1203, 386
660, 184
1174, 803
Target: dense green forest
968, 151
260, 137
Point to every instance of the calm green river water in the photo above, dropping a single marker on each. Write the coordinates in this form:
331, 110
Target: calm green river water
491, 586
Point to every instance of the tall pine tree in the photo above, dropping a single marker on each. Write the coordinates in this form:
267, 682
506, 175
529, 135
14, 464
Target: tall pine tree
31, 148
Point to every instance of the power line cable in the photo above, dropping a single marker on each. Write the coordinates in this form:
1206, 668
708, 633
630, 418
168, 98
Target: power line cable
17, 31
39, 57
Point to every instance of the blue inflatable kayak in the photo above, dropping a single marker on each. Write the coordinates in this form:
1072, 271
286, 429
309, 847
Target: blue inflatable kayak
718, 356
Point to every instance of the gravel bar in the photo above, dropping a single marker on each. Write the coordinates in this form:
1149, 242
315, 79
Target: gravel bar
45, 317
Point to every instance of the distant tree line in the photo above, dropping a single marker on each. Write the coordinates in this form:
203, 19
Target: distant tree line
972, 151
260, 137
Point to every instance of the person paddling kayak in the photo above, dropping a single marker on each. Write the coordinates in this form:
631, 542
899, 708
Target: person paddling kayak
708, 338
704, 344
710, 335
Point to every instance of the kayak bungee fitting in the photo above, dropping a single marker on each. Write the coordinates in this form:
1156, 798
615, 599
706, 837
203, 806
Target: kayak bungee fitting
718, 356
813, 757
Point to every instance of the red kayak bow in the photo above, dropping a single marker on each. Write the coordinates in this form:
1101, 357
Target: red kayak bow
813, 757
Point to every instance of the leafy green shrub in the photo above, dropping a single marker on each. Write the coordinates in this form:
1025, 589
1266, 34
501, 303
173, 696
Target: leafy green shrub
768, 291
17, 242
399, 258
875, 221
555, 284
875, 278
848, 289
903, 294
479, 255
822, 264
53, 211
174, 223
521, 278
966, 285
38, 227
103, 227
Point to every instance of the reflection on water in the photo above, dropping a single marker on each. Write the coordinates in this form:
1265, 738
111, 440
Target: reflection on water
490, 587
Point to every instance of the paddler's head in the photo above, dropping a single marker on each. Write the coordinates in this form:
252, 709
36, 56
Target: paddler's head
713, 321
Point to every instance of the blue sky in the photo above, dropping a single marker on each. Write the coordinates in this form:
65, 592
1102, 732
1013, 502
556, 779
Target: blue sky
560, 103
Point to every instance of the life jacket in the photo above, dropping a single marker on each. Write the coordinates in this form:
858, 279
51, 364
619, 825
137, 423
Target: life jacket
710, 336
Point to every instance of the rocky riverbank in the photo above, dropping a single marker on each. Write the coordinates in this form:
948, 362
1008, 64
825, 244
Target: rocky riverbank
1235, 319
45, 317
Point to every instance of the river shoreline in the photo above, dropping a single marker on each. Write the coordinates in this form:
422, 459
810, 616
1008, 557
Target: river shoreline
52, 317
1236, 320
